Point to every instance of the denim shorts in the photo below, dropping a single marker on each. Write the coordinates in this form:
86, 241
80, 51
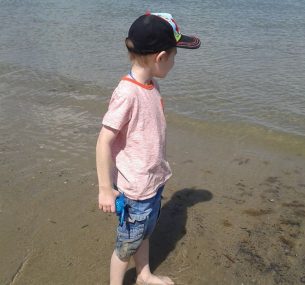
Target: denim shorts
140, 219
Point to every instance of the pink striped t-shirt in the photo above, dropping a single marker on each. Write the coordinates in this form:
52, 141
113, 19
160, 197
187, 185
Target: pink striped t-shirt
136, 110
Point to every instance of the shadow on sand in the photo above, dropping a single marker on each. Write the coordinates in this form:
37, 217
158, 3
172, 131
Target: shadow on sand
171, 227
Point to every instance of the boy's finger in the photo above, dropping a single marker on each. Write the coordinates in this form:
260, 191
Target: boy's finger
106, 209
101, 206
112, 208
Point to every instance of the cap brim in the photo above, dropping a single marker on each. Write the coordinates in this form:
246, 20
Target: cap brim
189, 42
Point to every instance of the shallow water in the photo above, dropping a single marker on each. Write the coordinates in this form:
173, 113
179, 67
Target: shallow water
43, 105
250, 68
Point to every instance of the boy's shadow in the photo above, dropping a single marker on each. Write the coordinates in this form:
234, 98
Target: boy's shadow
171, 227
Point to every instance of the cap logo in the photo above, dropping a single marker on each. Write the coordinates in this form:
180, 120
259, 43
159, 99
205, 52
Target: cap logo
168, 18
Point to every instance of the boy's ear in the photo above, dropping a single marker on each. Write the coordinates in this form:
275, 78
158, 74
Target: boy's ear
161, 56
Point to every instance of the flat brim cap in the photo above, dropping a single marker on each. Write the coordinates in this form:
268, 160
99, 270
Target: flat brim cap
189, 42
155, 32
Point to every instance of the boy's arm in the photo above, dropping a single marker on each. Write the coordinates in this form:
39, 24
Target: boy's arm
104, 166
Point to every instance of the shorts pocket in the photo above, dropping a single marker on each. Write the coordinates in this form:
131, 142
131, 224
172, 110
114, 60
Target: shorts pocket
131, 231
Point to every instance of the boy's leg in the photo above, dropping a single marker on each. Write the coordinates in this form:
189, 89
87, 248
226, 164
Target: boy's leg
117, 270
143, 270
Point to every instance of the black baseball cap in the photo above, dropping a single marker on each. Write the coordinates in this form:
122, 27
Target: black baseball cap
155, 32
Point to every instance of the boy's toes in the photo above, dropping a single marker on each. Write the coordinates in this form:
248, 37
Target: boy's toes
155, 280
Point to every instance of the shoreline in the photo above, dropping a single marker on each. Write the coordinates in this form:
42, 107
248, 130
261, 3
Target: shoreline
84, 91
232, 213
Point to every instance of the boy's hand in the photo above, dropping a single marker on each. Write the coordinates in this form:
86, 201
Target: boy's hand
106, 199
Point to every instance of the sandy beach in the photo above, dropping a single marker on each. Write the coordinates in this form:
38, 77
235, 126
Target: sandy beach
233, 212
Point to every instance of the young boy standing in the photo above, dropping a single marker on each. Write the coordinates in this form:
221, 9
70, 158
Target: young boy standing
130, 151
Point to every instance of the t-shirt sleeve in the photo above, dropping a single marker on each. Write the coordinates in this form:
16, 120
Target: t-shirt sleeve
119, 111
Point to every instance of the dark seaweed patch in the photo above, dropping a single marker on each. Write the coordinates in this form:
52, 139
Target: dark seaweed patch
294, 204
256, 213
289, 243
252, 257
299, 213
272, 179
226, 223
290, 222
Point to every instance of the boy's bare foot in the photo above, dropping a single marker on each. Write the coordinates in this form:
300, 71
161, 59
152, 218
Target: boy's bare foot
155, 280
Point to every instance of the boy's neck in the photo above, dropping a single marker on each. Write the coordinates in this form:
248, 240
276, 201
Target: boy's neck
141, 74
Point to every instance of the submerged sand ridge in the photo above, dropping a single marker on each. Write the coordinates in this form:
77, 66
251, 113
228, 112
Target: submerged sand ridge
233, 213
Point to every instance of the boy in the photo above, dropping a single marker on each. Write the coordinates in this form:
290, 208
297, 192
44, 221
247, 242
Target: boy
130, 151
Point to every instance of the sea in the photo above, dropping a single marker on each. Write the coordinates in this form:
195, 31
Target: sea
249, 70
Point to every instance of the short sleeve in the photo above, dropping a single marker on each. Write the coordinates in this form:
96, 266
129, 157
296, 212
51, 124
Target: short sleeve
119, 111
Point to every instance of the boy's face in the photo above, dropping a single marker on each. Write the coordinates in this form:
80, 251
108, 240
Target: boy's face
166, 62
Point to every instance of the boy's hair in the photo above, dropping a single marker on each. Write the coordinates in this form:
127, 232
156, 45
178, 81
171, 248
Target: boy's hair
141, 59
155, 32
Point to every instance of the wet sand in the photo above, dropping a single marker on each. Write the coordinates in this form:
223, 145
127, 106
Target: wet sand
233, 213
